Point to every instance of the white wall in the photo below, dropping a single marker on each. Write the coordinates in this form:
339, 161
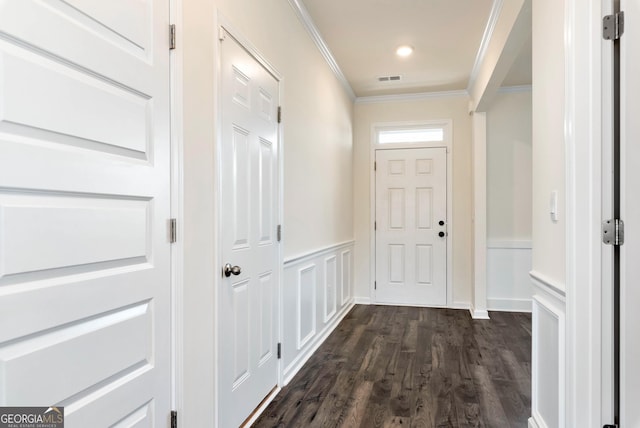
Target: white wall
509, 197
549, 374
509, 167
548, 138
317, 137
446, 107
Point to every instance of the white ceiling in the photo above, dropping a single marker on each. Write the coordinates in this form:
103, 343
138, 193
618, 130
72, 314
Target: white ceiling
446, 35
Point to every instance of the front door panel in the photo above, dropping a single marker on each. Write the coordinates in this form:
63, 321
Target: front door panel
411, 214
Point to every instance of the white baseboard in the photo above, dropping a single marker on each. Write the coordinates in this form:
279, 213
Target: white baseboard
303, 357
533, 423
460, 305
263, 406
509, 305
362, 300
478, 314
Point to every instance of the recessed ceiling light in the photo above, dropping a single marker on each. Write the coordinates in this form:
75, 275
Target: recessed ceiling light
404, 50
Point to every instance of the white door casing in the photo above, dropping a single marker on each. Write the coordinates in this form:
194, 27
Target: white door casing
248, 303
84, 203
411, 204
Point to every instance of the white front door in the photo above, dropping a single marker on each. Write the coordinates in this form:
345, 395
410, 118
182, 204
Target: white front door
411, 237
630, 214
248, 304
84, 204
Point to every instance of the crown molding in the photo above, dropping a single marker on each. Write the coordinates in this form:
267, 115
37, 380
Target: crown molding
303, 14
496, 8
410, 97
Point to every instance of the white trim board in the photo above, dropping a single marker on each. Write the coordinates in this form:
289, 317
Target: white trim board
479, 219
587, 133
545, 283
496, 8
361, 300
177, 209
303, 14
314, 253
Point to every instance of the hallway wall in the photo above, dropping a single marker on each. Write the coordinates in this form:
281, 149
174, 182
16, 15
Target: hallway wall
509, 197
317, 150
443, 107
549, 370
548, 140
509, 167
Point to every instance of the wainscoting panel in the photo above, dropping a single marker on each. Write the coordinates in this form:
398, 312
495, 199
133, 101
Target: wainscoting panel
330, 287
306, 304
508, 284
317, 294
548, 355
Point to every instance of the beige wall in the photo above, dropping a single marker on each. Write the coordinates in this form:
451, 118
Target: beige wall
548, 139
509, 167
317, 136
366, 114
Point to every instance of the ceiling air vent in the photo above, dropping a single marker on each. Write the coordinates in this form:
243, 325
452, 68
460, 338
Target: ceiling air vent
389, 78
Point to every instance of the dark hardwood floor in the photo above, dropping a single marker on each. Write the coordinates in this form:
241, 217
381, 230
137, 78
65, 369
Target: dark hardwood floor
387, 366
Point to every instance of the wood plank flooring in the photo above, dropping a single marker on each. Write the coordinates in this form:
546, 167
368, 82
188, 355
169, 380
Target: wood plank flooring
387, 366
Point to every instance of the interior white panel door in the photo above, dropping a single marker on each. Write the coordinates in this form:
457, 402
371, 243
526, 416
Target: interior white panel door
248, 304
84, 204
411, 237
630, 214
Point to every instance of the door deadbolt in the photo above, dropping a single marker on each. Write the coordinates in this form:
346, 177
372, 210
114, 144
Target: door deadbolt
441, 222
228, 270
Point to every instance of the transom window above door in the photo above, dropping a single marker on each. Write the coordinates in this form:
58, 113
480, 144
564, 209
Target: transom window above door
411, 135
428, 133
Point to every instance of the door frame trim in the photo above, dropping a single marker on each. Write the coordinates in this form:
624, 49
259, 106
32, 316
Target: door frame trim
176, 132
587, 131
223, 23
447, 124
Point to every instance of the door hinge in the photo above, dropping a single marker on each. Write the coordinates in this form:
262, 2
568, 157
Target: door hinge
279, 350
279, 114
172, 36
375, 225
613, 26
173, 230
613, 232
174, 419
375, 285
375, 166
279, 233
